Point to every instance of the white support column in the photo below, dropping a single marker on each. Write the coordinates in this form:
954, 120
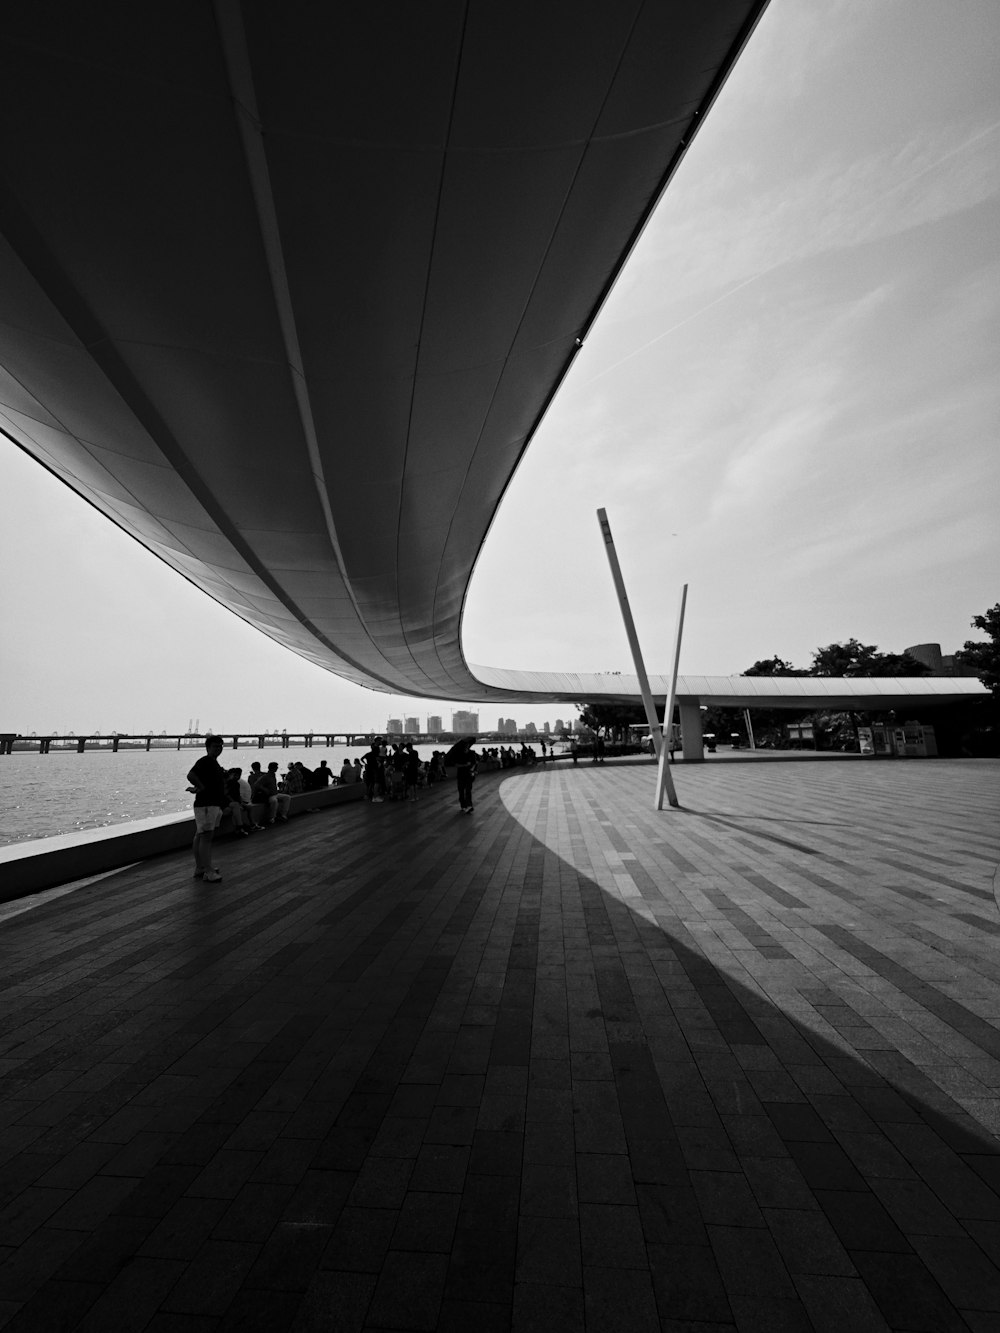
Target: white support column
691, 732
746, 715
664, 781
633, 640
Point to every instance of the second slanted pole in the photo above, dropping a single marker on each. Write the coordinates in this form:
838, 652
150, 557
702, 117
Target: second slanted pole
664, 780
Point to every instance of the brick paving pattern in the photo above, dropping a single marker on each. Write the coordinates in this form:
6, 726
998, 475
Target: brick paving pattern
566, 1064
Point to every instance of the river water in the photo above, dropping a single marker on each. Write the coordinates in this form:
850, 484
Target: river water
63, 792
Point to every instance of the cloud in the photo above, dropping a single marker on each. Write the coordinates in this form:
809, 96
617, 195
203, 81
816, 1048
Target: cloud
726, 231
773, 460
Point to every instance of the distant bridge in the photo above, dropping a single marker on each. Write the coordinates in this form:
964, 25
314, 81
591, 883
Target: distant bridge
10, 742
285, 740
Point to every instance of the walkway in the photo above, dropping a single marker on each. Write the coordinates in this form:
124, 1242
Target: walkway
565, 1064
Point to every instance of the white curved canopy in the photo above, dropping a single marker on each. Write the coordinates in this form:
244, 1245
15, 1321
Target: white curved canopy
288, 287
858, 692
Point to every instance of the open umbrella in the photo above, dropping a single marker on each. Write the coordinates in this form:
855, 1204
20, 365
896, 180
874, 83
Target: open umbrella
457, 751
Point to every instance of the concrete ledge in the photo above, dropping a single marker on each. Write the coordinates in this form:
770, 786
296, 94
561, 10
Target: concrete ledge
45, 863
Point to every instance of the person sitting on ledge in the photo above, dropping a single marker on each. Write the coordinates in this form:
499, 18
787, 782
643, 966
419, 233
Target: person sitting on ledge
242, 823
246, 800
322, 776
348, 773
266, 792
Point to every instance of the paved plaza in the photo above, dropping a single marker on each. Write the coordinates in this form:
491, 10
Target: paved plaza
568, 1064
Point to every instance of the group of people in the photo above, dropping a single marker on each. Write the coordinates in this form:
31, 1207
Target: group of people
217, 789
397, 772
508, 756
394, 773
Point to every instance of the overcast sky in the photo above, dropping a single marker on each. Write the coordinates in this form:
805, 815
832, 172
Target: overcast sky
790, 402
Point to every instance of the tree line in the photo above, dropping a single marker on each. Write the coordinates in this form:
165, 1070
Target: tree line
971, 728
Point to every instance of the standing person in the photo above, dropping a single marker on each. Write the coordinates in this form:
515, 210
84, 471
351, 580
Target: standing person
207, 780
373, 765
411, 771
467, 767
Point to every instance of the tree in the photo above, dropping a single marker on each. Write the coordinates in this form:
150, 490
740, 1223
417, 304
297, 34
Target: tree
863, 659
898, 664
722, 722
769, 724
773, 666
843, 659
856, 659
983, 655
614, 718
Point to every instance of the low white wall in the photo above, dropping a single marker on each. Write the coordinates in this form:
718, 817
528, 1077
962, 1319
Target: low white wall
45, 863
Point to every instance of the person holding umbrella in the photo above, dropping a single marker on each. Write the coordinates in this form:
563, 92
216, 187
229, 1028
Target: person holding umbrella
466, 762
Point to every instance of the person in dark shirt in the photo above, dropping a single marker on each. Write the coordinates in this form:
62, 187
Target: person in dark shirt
373, 773
467, 765
207, 780
411, 771
266, 792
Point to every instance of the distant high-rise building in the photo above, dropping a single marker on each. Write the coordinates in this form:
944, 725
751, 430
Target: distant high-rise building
394, 727
940, 664
560, 725
434, 726
508, 727
530, 729
464, 723
500, 725
547, 729
412, 726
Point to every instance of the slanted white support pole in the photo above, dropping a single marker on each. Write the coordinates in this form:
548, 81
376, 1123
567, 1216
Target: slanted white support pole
633, 641
746, 715
664, 780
